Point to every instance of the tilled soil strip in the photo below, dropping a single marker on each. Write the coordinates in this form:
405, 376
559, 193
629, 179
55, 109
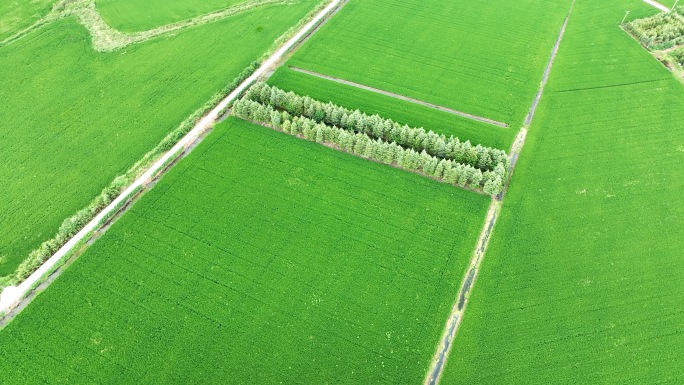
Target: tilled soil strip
458, 310
401, 97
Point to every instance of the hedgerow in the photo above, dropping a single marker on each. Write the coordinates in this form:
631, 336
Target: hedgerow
661, 31
375, 148
376, 127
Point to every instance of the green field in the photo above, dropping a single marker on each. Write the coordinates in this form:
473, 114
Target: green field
136, 15
260, 258
392, 108
16, 15
481, 57
582, 281
73, 119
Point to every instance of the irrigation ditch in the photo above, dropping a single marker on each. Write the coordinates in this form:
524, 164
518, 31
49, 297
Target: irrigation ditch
446, 343
15, 298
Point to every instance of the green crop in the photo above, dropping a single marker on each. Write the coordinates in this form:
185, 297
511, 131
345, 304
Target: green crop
260, 258
481, 57
582, 280
73, 119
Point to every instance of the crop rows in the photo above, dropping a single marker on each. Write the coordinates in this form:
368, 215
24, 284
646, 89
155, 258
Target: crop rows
283, 260
580, 282
482, 58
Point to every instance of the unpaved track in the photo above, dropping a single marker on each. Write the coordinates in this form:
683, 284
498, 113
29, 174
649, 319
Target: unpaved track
12, 295
460, 305
402, 97
657, 5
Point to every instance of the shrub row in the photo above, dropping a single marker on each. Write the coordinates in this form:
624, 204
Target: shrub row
361, 144
418, 139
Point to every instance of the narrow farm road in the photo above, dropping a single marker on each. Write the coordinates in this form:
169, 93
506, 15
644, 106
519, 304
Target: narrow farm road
657, 5
401, 97
11, 296
458, 311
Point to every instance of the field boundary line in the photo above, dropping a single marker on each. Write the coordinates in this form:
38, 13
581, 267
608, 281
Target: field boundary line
11, 296
547, 70
446, 343
657, 5
400, 97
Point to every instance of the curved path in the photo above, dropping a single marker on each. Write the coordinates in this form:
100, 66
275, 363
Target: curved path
12, 295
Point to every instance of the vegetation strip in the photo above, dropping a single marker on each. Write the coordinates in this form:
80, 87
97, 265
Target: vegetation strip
12, 294
451, 329
402, 97
378, 150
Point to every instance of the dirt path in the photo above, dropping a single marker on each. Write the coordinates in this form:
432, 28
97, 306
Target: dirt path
460, 305
11, 296
657, 5
107, 39
397, 96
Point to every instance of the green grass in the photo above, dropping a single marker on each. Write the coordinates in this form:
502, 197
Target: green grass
73, 119
16, 15
401, 111
136, 15
582, 281
481, 57
261, 258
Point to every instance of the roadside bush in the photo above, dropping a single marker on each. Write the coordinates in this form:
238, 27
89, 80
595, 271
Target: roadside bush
376, 127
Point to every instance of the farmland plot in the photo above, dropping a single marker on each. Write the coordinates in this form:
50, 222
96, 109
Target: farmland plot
73, 119
582, 281
485, 58
279, 259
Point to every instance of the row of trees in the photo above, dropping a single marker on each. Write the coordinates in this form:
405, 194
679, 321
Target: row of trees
418, 139
447, 170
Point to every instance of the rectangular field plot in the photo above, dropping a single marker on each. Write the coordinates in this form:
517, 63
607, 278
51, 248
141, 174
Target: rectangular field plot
484, 58
72, 119
582, 282
261, 258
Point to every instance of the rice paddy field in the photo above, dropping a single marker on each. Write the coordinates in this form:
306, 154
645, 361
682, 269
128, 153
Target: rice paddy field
485, 58
266, 259
136, 15
73, 119
582, 281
